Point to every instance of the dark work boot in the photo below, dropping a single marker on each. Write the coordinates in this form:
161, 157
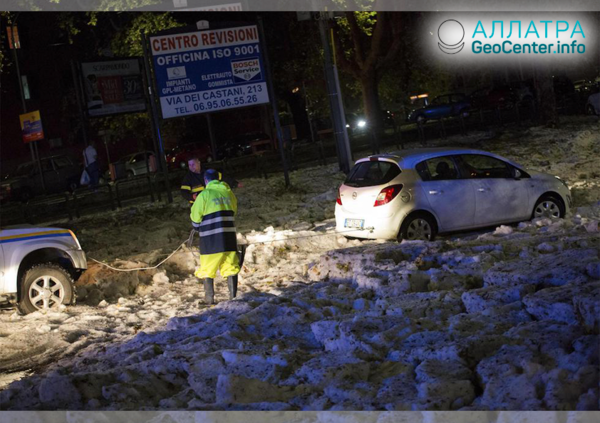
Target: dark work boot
232, 282
209, 291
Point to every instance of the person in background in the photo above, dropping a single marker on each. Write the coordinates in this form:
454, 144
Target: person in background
213, 216
193, 182
90, 159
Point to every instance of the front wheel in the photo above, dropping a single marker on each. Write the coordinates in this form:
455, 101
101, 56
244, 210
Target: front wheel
548, 206
45, 287
418, 227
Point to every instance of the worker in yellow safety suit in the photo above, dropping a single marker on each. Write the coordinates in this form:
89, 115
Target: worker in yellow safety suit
212, 216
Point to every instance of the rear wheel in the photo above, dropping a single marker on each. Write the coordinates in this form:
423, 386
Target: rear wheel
419, 226
72, 186
45, 287
548, 206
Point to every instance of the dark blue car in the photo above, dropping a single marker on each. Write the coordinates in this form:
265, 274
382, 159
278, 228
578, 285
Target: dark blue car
442, 106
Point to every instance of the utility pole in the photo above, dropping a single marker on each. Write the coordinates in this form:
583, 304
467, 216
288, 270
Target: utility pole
335, 100
34, 157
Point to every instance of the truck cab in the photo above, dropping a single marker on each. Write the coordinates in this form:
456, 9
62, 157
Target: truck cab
38, 267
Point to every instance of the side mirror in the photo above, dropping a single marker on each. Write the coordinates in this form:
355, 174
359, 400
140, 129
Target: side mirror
517, 174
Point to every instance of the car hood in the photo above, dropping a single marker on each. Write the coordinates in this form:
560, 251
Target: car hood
541, 176
26, 229
12, 180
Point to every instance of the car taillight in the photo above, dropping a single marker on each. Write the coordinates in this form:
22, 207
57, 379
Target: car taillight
387, 194
339, 199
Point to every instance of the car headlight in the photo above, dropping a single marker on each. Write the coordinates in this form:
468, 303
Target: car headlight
362, 123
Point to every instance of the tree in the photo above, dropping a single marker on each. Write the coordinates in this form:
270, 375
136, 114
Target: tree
544, 85
361, 43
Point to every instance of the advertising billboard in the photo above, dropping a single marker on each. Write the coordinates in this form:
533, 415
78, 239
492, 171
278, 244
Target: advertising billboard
208, 71
113, 86
31, 126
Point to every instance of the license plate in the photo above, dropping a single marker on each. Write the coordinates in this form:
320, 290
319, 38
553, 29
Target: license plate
354, 223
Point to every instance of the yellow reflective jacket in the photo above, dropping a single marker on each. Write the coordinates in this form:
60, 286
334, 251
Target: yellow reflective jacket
213, 214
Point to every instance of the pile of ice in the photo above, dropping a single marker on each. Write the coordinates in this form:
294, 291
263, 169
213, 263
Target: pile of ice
505, 320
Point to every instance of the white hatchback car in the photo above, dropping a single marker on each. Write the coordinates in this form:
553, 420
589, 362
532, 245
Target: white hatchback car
38, 267
415, 194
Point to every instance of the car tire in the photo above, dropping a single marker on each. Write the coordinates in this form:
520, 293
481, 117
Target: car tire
45, 287
590, 110
548, 206
419, 226
421, 119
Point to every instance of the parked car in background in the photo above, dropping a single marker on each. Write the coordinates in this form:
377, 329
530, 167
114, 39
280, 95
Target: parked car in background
502, 97
415, 194
138, 163
178, 156
245, 144
60, 173
359, 123
584, 86
442, 106
592, 106
39, 267
355, 124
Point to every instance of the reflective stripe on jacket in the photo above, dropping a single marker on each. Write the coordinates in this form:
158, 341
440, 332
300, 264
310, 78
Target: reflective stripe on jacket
213, 214
193, 183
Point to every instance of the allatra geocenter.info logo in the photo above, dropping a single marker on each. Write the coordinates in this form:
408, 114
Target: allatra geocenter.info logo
451, 34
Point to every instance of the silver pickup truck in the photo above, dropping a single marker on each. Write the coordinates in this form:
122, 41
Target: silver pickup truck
38, 267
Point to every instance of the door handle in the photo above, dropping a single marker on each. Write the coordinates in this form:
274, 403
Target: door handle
434, 192
482, 190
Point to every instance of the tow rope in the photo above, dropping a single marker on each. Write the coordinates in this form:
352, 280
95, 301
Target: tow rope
241, 248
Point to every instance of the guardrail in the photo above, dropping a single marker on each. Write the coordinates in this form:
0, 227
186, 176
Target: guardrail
115, 195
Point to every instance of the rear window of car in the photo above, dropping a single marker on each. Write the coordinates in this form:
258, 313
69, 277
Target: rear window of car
372, 173
61, 162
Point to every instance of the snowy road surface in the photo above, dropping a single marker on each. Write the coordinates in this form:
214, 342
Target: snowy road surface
505, 318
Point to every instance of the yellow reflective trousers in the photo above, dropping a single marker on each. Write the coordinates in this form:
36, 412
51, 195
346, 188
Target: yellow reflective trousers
227, 263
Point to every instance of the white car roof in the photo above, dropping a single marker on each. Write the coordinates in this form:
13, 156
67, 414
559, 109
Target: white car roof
408, 159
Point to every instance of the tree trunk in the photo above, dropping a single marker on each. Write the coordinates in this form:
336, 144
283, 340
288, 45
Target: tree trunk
370, 95
298, 109
544, 86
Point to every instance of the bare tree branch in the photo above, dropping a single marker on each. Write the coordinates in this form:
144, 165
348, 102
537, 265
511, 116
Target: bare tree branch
396, 44
356, 34
377, 40
341, 60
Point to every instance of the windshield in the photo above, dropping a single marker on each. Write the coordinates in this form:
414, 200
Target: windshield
24, 169
372, 173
